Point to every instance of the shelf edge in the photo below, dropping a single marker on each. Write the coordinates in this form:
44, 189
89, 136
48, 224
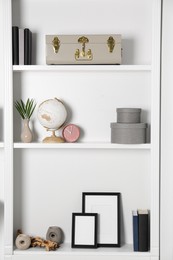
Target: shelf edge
64, 68
82, 146
125, 250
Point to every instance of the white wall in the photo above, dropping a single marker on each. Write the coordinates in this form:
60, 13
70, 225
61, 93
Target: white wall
167, 134
1, 152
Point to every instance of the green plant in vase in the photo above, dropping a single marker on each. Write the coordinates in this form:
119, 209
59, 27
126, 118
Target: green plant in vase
26, 111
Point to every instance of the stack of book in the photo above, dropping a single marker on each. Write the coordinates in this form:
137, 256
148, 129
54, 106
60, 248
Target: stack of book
22, 46
141, 234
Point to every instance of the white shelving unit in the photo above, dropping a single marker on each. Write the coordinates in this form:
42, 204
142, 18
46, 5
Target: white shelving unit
44, 182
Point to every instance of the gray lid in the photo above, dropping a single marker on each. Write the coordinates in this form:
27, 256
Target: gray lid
123, 125
129, 110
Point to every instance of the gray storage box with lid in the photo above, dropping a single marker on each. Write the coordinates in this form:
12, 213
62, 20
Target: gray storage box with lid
128, 133
128, 115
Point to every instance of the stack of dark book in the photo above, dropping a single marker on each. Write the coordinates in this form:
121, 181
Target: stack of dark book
141, 234
22, 46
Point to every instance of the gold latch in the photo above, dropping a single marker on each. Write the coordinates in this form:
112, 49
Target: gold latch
111, 43
56, 44
83, 54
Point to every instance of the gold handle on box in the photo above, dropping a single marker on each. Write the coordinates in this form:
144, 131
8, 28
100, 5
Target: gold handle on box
83, 54
111, 43
56, 44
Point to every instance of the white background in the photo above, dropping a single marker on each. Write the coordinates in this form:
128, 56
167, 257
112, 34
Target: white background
167, 136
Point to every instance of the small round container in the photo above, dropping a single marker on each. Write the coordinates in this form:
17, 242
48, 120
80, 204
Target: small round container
128, 133
129, 115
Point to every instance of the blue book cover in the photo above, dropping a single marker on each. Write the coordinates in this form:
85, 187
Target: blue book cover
135, 230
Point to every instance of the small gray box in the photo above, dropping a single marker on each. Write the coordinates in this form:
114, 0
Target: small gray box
129, 115
128, 133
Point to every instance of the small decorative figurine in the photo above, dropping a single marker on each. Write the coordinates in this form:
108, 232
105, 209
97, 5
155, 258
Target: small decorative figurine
23, 242
55, 234
71, 133
49, 245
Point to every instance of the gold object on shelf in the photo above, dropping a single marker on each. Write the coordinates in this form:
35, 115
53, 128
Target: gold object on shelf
83, 54
56, 44
111, 43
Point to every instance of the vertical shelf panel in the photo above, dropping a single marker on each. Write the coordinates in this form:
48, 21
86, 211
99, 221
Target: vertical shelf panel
155, 128
1, 138
8, 126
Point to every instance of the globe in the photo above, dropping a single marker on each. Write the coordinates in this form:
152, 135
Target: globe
52, 115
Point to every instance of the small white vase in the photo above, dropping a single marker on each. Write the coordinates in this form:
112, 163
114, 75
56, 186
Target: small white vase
26, 135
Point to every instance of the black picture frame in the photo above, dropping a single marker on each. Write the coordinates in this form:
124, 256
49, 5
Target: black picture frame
107, 205
84, 230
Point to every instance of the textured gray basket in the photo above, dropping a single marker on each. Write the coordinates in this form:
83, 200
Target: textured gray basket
129, 115
128, 133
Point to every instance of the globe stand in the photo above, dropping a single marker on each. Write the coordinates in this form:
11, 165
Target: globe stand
53, 138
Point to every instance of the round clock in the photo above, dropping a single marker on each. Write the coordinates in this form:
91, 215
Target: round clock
71, 133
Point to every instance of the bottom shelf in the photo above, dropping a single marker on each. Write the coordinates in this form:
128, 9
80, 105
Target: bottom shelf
65, 252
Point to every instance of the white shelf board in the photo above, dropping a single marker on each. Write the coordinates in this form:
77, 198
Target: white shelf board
82, 146
81, 68
66, 249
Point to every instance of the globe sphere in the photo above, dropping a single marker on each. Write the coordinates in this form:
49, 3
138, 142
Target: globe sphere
52, 113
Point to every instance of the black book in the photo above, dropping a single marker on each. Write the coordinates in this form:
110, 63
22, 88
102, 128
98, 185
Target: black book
27, 47
15, 45
143, 222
